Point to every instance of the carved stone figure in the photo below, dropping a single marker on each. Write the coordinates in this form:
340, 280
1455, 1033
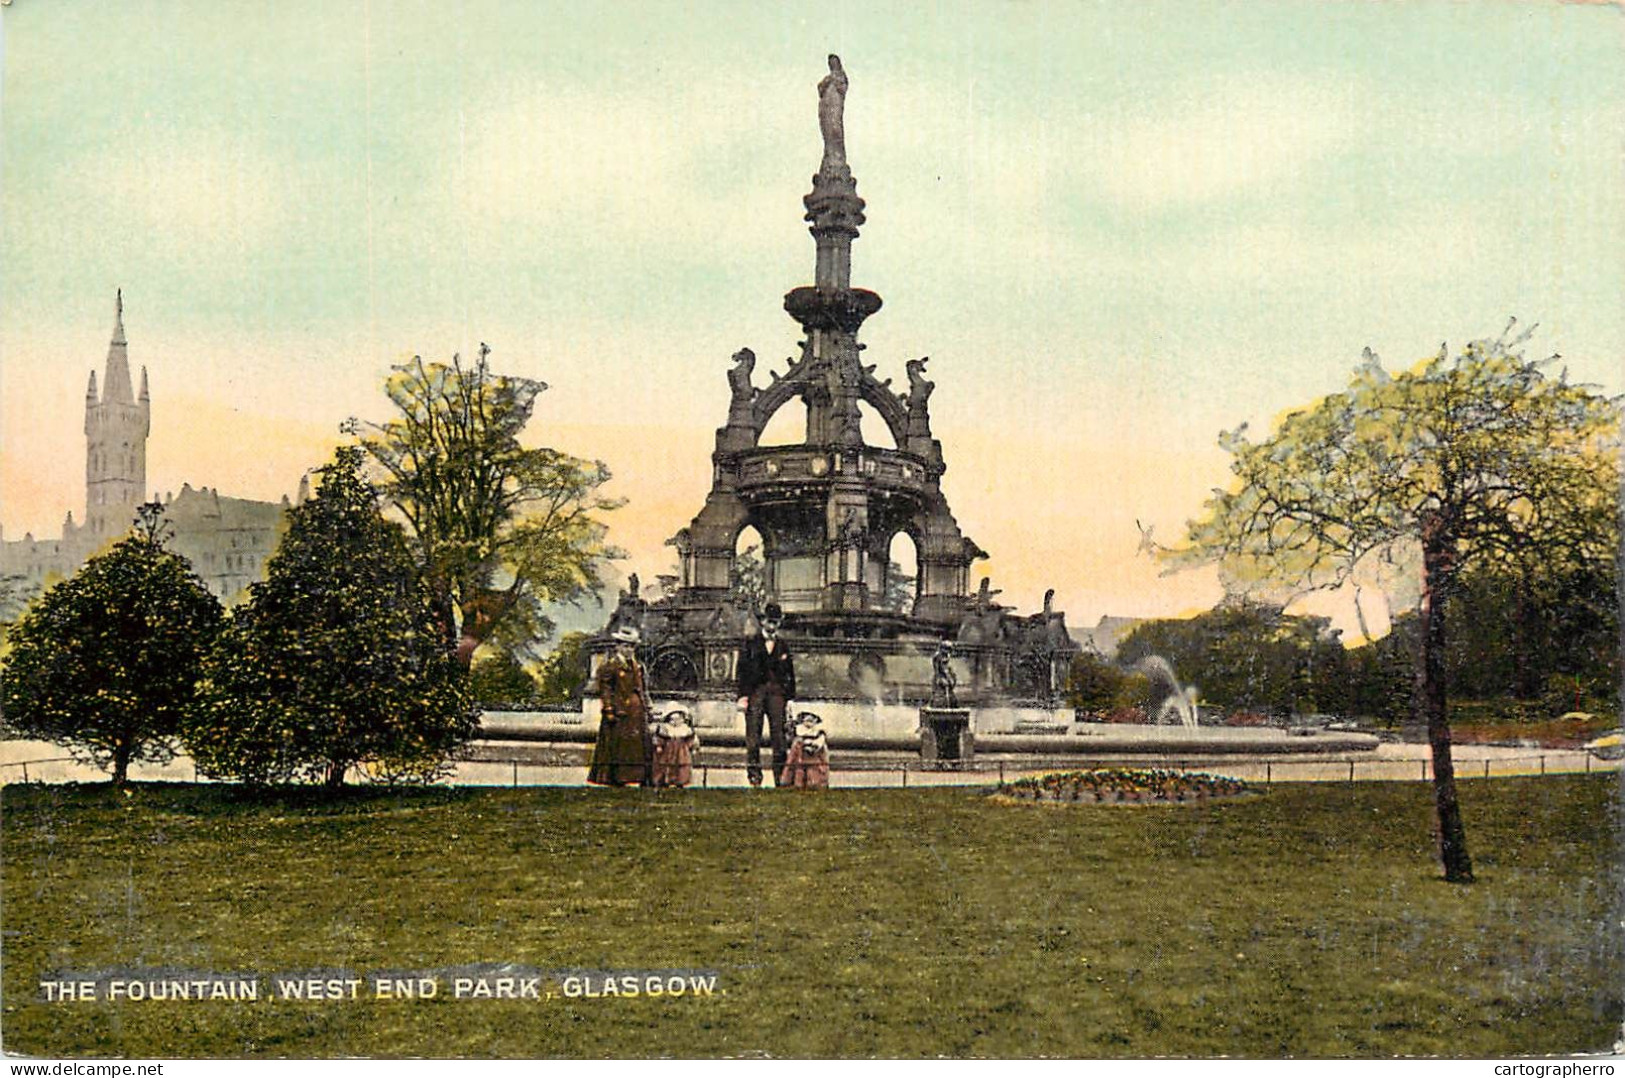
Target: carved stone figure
739, 375
852, 531
943, 679
919, 388
831, 107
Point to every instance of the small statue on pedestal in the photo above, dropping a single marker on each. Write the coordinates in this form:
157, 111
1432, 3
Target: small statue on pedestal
943, 680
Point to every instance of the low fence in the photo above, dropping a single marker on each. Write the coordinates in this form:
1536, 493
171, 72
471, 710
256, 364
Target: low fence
516, 772
497, 770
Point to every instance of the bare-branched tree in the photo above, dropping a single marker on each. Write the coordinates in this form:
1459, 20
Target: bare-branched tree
1483, 457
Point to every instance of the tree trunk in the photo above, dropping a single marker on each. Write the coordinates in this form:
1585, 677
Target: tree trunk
334, 779
480, 615
121, 764
445, 616
1438, 557
467, 645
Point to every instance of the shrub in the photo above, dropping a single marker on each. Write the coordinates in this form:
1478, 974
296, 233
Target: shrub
106, 662
336, 661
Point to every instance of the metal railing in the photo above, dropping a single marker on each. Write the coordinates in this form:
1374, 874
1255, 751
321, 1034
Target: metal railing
849, 772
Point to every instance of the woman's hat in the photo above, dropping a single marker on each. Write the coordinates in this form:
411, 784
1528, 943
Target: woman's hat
675, 715
626, 634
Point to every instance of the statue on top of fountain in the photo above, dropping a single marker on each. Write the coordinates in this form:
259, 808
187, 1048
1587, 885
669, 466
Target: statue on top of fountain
831, 107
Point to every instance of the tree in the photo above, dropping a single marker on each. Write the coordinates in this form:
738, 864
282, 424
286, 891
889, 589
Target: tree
1523, 625
1093, 683
106, 662
1382, 672
901, 590
1481, 458
501, 680
747, 580
1247, 655
500, 528
336, 660
564, 671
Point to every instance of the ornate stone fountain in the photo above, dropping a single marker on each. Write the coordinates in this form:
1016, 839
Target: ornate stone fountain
827, 510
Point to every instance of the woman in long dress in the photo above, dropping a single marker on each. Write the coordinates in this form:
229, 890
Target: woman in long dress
621, 755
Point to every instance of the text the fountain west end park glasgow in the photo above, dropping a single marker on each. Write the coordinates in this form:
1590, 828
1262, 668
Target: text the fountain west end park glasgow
510, 983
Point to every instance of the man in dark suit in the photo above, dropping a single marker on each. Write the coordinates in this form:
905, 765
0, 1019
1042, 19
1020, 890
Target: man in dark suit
767, 684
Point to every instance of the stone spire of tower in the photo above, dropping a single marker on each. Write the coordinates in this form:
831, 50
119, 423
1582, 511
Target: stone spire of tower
116, 429
116, 385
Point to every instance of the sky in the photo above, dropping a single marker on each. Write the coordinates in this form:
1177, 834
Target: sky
1117, 230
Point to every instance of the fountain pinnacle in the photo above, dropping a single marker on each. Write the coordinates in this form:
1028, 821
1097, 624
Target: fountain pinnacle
833, 207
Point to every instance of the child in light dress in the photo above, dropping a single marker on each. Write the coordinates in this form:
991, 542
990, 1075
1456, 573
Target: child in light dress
807, 765
674, 744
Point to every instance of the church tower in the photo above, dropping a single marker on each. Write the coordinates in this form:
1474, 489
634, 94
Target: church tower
116, 429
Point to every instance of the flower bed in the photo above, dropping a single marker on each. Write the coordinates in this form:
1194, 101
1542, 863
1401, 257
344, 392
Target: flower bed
1121, 785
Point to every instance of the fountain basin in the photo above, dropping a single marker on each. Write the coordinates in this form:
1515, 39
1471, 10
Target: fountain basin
896, 727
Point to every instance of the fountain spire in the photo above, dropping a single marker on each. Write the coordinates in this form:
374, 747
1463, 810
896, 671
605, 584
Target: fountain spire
833, 207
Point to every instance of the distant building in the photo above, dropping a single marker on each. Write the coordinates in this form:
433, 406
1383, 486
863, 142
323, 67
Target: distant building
1108, 633
227, 540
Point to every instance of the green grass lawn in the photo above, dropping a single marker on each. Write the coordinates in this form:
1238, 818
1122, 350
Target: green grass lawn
1309, 921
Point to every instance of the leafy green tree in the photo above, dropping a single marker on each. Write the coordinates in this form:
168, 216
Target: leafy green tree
900, 590
1522, 625
500, 528
501, 680
564, 671
1481, 458
106, 662
335, 661
1248, 655
748, 578
1093, 683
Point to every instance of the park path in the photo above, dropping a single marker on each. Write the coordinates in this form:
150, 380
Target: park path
506, 764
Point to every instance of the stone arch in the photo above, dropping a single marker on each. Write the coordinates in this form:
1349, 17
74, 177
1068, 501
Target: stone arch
868, 415
884, 401
752, 582
909, 567
783, 428
771, 399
